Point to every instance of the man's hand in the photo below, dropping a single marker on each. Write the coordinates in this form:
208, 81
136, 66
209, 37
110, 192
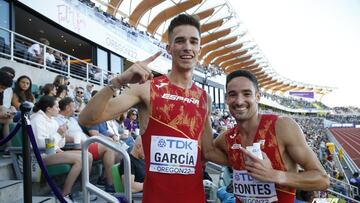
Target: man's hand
261, 170
139, 72
62, 129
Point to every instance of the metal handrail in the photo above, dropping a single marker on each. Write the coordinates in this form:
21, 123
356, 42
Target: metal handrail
341, 195
352, 166
349, 188
87, 186
12, 56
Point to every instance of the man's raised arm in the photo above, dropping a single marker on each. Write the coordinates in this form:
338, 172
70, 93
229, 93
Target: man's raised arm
103, 106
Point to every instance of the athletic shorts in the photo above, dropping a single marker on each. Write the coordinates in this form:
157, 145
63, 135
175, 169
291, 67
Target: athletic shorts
94, 150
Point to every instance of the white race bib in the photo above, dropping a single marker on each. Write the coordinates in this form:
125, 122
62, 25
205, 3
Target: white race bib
173, 155
250, 190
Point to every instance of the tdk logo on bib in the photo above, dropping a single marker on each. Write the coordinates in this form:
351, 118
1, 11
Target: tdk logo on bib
162, 143
174, 143
173, 155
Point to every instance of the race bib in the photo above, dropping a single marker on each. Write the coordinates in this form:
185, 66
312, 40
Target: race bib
250, 190
173, 155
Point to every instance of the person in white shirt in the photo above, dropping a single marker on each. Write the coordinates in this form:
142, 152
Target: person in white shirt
49, 56
36, 50
45, 126
98, 151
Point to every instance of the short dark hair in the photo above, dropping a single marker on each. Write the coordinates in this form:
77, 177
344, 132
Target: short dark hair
9, 70
5, 79
183, 19
64, 102
243, 73
44, 103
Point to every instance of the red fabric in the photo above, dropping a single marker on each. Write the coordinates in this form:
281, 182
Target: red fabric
177, 119
94, 150
265, 131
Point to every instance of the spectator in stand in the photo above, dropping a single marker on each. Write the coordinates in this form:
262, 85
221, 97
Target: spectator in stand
87, 93
79, 100
355, 181
60, 62
131, 122
62, 80
36, 50
124, 133
6, 114
49, 56
61, 92
45, 126
49, 89
22, 92
137, 167
340, 187
7, 94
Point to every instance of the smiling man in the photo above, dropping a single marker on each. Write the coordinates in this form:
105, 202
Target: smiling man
173, 115
267, 169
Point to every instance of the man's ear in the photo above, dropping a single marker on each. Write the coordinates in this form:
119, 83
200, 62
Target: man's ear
258, 96
168, 49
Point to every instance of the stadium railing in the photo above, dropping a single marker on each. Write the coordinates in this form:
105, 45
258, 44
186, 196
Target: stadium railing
15, 46
351, 164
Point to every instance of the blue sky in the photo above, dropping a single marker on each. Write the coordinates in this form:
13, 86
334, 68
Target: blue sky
315, 42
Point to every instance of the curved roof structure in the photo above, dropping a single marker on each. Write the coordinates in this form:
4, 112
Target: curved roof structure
226, 43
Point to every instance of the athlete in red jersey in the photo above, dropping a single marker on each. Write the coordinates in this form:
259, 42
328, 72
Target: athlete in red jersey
173, 114
277, 145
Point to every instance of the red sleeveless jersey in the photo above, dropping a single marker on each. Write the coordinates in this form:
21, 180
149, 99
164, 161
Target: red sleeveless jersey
265, 132
172, 141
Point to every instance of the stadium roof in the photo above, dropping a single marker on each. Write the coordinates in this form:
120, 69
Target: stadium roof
226, 43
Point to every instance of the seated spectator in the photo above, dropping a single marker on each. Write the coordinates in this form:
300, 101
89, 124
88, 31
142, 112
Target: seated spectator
6, 114
87, 93
36, 50
61, 92
8, 92
45, 126
79, 99
124, 133
22, 92
340, 187
49, 56
62, 80
131, 122
98, 151
137, 167
49, 89
60, 61
355, 181
101, 129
